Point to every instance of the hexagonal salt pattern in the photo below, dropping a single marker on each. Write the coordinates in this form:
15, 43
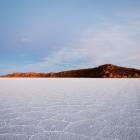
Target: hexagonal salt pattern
86, 127
19, 129
121, 132
69, 109
13, 137
58, 136
52, 125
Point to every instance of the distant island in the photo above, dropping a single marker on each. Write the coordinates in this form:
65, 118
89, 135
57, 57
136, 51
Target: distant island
103, 71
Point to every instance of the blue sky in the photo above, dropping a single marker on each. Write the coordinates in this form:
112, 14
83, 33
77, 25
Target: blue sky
55, 35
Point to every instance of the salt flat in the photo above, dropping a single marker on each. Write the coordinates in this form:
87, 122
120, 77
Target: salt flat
69, 109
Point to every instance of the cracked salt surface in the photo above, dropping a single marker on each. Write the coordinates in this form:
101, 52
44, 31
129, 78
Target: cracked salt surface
69, 109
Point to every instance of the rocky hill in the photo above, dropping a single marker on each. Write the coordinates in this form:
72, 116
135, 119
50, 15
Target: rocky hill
103, 71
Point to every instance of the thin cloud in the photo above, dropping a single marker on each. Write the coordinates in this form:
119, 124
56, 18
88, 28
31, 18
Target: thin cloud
110, 43
24, 39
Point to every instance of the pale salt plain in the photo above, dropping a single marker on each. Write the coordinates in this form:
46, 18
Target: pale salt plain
69, 109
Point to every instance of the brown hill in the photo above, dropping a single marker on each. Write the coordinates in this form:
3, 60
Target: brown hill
103, 71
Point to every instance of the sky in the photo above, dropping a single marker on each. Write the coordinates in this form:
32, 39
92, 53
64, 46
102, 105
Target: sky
55, 35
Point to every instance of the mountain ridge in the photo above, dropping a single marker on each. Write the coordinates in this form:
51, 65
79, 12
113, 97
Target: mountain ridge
102, 71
